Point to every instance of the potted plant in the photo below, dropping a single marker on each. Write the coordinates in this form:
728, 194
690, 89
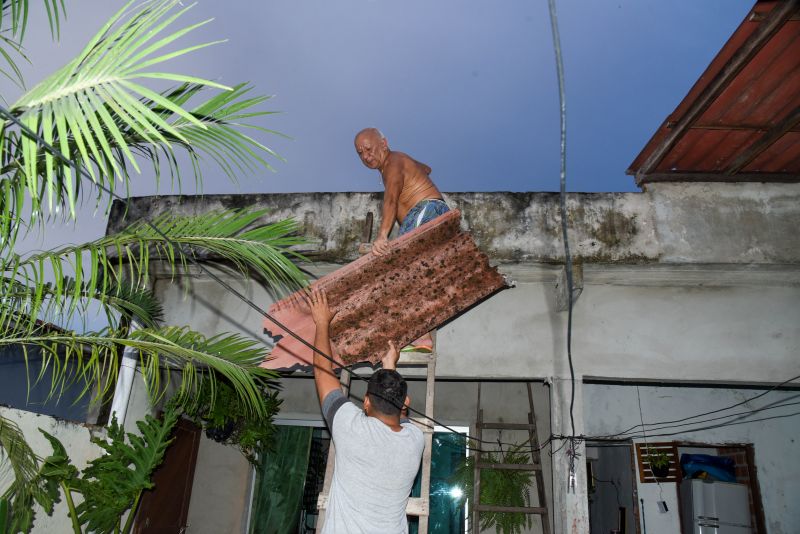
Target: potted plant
498, 487
658, 460
218, 409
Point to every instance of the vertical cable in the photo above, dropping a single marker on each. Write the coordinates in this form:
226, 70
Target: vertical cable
563, 208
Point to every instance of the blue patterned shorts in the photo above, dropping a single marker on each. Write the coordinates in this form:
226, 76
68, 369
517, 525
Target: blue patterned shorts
422, 212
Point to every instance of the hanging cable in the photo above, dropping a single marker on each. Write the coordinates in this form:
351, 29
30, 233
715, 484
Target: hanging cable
82, 172
703, 414
572, 451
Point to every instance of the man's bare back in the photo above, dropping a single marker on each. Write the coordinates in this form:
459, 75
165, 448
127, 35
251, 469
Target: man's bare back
417, 184
406, 182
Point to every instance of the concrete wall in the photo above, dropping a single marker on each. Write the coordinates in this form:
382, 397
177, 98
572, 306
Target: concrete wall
681, 283
221, 490
610, 409
740, 223
675, 325
74, 437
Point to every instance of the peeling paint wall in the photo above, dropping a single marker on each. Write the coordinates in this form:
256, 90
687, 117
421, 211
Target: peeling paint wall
669, 223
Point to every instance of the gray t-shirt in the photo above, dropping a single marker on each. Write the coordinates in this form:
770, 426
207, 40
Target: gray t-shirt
374, 470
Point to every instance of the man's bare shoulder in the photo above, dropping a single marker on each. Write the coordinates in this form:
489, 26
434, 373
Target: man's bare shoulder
406, 164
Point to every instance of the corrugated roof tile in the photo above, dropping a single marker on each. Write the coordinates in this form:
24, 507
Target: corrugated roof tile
431, 275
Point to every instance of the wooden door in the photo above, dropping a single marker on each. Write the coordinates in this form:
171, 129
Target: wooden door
164, 508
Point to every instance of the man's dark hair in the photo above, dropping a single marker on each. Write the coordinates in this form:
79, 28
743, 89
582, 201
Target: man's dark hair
387, 391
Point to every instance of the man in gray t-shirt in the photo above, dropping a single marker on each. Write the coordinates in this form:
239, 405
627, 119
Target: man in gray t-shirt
377, 453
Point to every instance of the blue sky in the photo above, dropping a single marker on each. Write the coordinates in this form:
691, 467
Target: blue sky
466, 86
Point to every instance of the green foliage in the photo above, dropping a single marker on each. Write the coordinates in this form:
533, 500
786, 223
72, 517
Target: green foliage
657, 458
97, 114
219, 410
500, 488
114, 482
110, 485
28, 486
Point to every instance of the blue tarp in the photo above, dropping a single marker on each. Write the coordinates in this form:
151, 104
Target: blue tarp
719, 468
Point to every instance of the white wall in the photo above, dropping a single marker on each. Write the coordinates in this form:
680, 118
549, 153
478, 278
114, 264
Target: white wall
610, 409
689, 324
74, 437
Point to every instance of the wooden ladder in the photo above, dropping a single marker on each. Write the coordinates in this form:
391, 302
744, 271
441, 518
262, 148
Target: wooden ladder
535, 466
417, 506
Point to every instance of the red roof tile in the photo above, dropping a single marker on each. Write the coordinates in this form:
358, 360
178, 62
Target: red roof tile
431, 275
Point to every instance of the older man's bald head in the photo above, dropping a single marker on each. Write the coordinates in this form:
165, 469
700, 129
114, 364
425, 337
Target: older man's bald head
372, 133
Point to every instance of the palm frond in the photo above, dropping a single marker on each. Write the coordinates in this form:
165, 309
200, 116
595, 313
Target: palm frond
96, 112
106, 269
26, 305
92, 360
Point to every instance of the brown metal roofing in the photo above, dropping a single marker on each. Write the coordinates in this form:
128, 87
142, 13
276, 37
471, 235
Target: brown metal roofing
431, 275
741, 120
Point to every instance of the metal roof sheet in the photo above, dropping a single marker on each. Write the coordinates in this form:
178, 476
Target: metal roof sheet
741, 119
431, 275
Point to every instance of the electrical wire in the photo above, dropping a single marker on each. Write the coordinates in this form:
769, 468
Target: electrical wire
84, 173
703, 414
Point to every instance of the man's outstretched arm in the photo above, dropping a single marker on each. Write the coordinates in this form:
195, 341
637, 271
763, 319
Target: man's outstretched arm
324, 377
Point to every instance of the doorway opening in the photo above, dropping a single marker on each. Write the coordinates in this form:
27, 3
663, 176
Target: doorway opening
610, 471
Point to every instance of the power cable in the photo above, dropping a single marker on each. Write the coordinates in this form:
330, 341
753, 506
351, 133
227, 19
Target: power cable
737, 414
709, 427
571, 452
703, 414
84, 173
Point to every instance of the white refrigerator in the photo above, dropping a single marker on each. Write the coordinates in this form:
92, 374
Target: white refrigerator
715, 508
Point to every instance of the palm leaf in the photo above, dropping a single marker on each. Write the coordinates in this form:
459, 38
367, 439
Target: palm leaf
92, 360
28, 487
96, 112
14, 13
104, 271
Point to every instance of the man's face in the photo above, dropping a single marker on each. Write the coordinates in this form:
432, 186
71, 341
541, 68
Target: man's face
371, 149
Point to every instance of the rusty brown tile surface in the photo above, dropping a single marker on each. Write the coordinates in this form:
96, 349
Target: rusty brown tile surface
431, 275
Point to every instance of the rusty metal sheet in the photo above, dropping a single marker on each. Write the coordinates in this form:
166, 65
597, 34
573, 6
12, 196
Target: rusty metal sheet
430, 275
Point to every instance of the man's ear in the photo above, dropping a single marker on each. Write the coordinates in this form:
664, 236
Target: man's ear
406, 404
367, 403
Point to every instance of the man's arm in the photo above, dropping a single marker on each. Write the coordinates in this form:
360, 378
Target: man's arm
393, 186
324, 377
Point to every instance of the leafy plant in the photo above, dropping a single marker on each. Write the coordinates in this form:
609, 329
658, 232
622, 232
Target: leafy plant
219, 410
657, 458
110, 485
77, 135
28, 488
498, 487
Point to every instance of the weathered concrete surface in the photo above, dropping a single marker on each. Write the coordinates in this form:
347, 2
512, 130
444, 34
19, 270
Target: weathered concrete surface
221, 490
75, 438
669, 223
727, 223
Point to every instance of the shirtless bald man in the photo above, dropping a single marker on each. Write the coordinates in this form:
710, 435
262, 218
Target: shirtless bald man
409, 197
